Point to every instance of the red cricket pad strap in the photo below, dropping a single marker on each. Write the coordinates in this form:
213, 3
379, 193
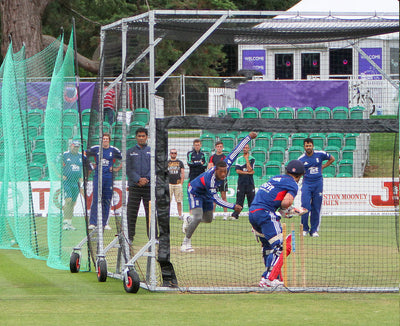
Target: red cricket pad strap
276, 270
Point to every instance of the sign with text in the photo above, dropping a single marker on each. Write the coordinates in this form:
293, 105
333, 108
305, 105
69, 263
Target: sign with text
254, 60
365, 68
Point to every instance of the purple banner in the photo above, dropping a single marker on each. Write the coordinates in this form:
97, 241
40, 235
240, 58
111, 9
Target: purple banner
365, 68
37, 95
254, 60
294, 94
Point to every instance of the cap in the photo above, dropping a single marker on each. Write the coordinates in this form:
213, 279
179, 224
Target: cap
295, 167
76, 143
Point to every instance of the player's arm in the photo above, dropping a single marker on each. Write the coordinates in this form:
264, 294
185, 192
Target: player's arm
329, 162
239, 147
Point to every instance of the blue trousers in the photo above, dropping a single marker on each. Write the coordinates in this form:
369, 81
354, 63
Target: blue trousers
311, 198
105, 199
268, 223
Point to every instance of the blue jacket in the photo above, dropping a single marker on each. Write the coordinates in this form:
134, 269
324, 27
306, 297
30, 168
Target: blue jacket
206, 184
137, 164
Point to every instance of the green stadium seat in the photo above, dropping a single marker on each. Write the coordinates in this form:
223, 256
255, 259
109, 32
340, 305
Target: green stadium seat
334, 151
258, 170
221, 113
39, 143
260, 155
68, 130
207, 140
340, 112
348, 153
272, 168
345, 166
335, 139
322, 112
207, 152
85, 116
142, 114
70, 116
263, 140
234, 113
117, 142
297, 139
305, 112
117, 129
286, 113
228, 139
318, 139
276, 154
268, 113
134, 125
351, 139
39, 156
250, 112
33, 131
35, 117
241, 135
280, 139
330, 171
294, 152
130, 141
35, 171
357, 112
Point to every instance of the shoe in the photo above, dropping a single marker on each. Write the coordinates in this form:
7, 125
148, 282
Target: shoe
315, 235
233, 218
180, 217
107, 227
305, 233
186, 245
264, 282
185, 224
92, 227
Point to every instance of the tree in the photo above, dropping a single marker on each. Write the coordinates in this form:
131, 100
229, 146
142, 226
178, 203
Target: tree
22, 20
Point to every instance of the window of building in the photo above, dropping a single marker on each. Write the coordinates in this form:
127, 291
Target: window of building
310, 65
394, 61
340, 62
284, 66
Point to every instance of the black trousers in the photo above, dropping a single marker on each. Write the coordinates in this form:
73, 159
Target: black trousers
242, 192
136, 195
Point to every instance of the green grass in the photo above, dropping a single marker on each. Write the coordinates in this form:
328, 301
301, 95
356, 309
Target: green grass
33, 294
381, 153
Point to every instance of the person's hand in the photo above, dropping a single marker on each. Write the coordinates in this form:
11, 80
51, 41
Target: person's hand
142, 182
238, 208
253, 135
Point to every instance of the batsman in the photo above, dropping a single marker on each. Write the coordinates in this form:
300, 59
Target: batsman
274, 200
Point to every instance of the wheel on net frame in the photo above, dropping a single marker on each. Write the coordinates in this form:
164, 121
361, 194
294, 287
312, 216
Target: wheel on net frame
131, 281
101, 270
75, 262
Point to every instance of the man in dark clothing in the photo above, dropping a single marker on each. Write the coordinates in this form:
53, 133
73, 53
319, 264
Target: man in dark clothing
138, 171
196, 160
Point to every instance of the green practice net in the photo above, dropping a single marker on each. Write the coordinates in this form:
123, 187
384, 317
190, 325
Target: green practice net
41, 165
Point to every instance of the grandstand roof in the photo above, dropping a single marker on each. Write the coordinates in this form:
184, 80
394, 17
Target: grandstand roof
251, 27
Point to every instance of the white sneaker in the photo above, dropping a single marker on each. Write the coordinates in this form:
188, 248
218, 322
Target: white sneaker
305, 233
264, 282
315, 235
185, 223
92, 227
186, 245
180, 217
233, 218
107, 227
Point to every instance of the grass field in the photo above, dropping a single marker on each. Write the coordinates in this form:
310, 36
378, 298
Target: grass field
33, 294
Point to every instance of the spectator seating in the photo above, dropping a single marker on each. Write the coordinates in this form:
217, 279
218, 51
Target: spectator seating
305, 112
335, 139
345, 166
322, 112
334, 151
258, 170
70, 116
330, 171
250, 112
356, 112
228, 139
297, 139
35, 117
207, 140
280, 139
294, 152
273, 168
268, 113
340, 112
234, 113
142, 114
85, 116
276, 153
286, 113
263, 140
260, 154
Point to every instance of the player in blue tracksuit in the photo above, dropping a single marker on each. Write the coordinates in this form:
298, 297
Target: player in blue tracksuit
312, 189
203, 192
110, 155
278, 193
